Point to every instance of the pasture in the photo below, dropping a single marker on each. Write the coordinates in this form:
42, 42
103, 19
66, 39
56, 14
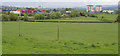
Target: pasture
106, 18
111, 17
75, 38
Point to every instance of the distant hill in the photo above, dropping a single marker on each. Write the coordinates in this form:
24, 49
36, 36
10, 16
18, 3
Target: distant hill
111, 7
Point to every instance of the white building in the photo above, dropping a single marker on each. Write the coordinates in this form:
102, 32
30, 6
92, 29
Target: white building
108, 11
68, 11
16, 12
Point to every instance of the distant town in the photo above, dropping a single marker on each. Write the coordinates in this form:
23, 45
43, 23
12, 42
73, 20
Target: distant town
89, 9
39, 12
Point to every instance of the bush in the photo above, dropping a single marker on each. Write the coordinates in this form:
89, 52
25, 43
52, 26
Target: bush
56, 15
22, 14
52, 16
47, 16
13, 17
118, 18
5, 17
36, 16
77, 14
25, 17
73, 14
92, 15
42, 16
82, 14
30, 14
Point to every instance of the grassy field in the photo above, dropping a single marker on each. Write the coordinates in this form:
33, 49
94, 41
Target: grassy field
108, 17
75, 38
75, 19
112, 17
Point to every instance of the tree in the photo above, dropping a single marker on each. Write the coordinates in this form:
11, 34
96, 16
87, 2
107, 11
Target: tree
25, 17
5, 17
92, 15
30, 14
67, 9
73, 14
48, 11
47, 15
58, 15
36, 16
82, 14
22, 14
42, 16
118, 18
54, 10
70, 9
52, 16
13, 17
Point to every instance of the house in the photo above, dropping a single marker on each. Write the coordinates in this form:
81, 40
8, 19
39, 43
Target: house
68, 12
29, 11
16, 12
108, 11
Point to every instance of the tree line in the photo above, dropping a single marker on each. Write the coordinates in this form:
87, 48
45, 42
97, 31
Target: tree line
55, 14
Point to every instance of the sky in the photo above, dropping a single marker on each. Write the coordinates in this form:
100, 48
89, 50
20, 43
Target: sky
59, 0
58, 3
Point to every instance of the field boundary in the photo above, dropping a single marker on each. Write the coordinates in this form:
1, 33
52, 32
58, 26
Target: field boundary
75, 21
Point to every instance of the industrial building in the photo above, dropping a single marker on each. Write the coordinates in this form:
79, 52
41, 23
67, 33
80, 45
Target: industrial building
90, 9
98, 8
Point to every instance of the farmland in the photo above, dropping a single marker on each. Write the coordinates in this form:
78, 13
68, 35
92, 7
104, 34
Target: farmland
82, 19
75, 38
108, 16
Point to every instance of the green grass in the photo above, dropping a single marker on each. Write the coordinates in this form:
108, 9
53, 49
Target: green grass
112, 17
72, 19
108, 17
75, 38
77, 19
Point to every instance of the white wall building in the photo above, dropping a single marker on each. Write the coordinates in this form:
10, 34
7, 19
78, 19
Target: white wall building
108, 11
16, 12
68, 11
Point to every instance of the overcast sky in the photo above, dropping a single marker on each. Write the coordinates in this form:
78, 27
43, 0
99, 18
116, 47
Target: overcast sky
59, 3
59, 0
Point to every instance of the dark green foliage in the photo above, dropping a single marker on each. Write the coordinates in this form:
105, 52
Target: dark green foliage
5, 17
113, 43
54, 10
93, 45
30, 14
81, 43
47, 16
22, 14
102, 17
91, 15
118, 18
48, 11
68, 9
82, 14
75, 43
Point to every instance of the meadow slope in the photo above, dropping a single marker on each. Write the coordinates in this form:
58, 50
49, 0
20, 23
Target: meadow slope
75, 38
